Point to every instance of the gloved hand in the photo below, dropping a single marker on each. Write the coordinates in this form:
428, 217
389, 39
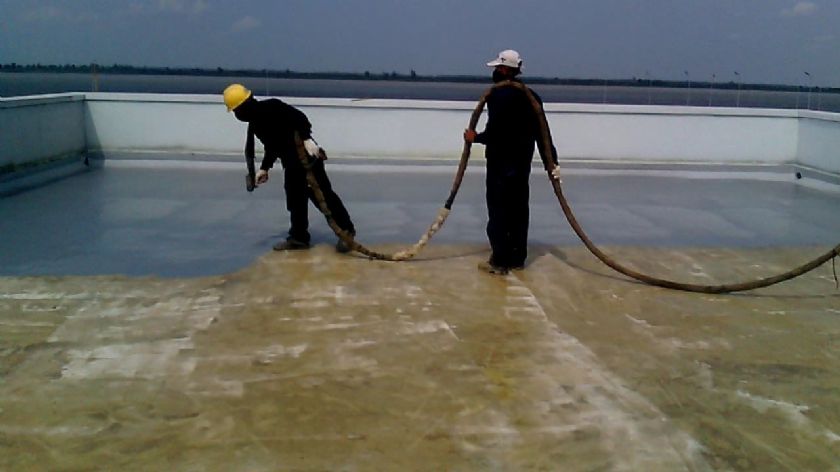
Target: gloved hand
555, 174
312, 148
262, 177
469, 135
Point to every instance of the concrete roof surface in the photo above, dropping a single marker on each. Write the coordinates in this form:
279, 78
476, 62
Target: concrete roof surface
317, 361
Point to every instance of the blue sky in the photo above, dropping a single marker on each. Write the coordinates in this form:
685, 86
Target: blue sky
771, 41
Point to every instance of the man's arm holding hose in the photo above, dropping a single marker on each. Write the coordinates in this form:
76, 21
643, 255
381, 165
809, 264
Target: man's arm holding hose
255, 177
304, 129
472, 136
555, 173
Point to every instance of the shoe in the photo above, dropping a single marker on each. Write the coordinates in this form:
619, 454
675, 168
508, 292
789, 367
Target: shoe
343, 248
486, 266
291, 244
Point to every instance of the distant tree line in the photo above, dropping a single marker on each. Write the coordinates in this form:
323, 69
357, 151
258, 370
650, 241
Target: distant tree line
126, 69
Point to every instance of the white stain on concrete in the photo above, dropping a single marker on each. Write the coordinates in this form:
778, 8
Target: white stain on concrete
27, 308
519, 301
115, 349
698, 271
356, 344
277, 351
792, 411
141, 360
33, 296
332, 326
426, 327
54, 431
637, 433
696, 345
671, 344
642, 323
412, 291
514, 311
832, 436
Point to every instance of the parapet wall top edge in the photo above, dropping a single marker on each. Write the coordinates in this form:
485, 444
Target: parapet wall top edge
207, 99
31, 100
414, 104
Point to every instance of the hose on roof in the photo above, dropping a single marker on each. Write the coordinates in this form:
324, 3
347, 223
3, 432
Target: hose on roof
349, 238
546, 145
411, 251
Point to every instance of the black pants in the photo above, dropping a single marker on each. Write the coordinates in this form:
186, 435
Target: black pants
508, 214
298, 195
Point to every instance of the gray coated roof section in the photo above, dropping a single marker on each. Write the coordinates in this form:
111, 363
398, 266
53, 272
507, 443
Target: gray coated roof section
199, 220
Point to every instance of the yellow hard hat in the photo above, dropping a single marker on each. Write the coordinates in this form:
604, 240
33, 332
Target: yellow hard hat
235, 95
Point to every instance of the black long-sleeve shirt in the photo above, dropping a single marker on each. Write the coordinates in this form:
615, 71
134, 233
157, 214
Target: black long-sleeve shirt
274, 123
512, 129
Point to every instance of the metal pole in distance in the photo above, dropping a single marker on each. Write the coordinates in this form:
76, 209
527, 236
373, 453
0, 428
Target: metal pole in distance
94, 78
810, 86
738, 96
711, 86
604, 95
819, 99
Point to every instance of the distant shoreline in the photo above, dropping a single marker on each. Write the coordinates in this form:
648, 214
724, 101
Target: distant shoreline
32, 81
412, 76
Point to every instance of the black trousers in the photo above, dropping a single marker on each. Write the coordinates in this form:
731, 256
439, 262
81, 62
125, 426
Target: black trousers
508, 215
298, 195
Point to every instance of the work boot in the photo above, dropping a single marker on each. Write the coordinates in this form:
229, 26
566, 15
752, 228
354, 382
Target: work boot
488, 267
291, 244
343, 248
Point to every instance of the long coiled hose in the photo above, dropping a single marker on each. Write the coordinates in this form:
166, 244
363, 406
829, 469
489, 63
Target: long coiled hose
549, 165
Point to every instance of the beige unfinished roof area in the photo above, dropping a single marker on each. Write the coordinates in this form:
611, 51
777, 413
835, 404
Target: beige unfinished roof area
316, 361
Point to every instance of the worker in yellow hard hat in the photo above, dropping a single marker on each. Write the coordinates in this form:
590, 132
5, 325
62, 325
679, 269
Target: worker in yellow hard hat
274, 123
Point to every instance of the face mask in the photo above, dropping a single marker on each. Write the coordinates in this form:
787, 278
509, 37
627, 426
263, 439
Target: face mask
241, 115
244, 112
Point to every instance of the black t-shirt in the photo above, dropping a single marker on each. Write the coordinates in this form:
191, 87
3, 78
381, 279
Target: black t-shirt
274, 123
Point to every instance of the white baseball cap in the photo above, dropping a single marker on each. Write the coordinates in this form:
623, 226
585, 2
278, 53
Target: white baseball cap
509, 58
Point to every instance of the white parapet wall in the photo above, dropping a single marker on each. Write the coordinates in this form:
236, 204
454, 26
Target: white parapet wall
819, 141
674, 133
433, 129
39, 128
197, 126
352, 128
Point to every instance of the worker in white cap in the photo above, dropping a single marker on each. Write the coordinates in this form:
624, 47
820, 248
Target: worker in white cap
274, 123
510, 135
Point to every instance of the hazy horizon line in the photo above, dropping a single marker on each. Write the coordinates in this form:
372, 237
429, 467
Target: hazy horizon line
368, 75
